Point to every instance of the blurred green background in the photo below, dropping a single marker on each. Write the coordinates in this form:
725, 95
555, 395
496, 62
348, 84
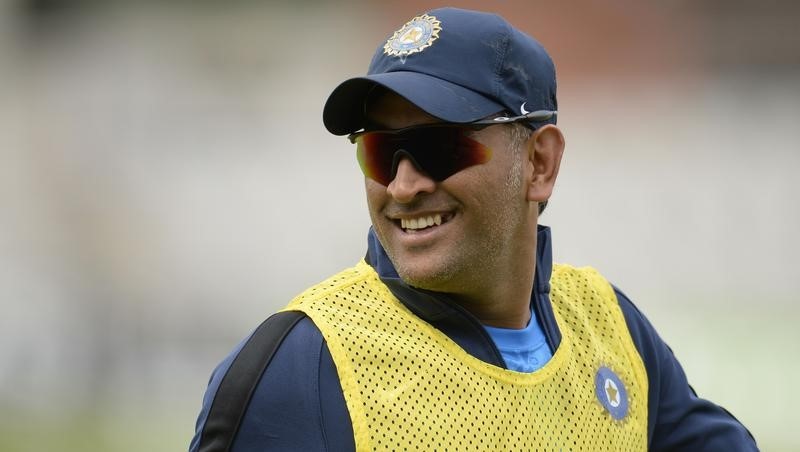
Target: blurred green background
166, 183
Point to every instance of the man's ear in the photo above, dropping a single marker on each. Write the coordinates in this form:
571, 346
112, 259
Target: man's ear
545, 148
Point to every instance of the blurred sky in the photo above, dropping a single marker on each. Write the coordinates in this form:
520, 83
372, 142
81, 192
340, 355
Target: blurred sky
166, 183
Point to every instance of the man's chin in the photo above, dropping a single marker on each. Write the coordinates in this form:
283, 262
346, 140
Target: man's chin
428, 277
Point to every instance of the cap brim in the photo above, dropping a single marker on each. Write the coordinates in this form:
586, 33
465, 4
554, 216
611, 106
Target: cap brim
344, 110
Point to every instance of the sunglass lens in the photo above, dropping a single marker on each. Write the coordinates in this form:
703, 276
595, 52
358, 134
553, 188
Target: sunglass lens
375, 156
438, 151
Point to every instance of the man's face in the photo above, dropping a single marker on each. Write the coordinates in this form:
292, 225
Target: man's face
482, 219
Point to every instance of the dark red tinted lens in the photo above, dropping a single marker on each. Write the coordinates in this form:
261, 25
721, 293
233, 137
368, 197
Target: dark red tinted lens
438, 151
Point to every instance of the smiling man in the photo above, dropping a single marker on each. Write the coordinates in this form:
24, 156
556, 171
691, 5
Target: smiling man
456, 331
462, 234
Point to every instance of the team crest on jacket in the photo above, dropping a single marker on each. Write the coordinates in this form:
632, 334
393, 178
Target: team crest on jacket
415, 36
611, 392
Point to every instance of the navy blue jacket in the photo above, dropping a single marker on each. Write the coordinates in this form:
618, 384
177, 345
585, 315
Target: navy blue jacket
298, 402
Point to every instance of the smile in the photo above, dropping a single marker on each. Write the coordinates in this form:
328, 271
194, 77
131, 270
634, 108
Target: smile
423, 222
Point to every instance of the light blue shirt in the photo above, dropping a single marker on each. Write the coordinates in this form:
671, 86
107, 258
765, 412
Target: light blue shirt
524, 350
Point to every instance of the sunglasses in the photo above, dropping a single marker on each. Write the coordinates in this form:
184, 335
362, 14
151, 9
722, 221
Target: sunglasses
439, 149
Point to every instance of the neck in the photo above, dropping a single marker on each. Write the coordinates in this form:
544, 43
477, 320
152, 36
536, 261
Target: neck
504, 302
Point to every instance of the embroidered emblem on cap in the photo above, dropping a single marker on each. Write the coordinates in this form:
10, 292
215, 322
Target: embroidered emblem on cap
611, 393
415, 36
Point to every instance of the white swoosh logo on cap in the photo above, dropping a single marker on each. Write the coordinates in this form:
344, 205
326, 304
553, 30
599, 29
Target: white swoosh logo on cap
522, 109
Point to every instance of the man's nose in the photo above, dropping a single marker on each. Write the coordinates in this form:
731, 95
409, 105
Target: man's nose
409, 181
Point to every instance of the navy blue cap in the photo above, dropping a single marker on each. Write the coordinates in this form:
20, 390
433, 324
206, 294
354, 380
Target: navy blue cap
457, 65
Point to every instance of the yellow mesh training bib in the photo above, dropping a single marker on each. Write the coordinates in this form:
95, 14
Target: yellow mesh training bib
409, 387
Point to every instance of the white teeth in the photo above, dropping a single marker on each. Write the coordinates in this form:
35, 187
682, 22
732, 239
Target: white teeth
422, 222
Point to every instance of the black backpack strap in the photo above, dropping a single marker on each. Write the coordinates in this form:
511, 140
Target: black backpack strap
237, 386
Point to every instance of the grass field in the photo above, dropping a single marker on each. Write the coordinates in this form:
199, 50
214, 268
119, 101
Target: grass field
97, 432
